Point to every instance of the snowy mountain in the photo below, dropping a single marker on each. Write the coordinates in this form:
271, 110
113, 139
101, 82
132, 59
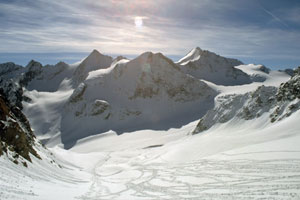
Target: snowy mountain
149, 91
101, 93
211, 67
93, 62
278, 103
123, 129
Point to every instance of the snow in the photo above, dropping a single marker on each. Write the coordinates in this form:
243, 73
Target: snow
238, 159
93, 62
46, 107
99, 73
211, 67
149, 91
274, 78
42, 180
193, 55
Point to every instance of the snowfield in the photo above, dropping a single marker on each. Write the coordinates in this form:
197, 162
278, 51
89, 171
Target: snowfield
222, 163
234, 158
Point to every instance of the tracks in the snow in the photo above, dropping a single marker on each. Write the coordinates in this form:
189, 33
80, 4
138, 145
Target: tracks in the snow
202, 179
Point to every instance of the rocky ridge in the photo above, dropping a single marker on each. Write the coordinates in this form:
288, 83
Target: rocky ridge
279, 102
16, 138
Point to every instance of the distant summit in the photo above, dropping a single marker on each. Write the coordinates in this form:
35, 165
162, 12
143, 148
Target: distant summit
193, 55
211, 67
94, 61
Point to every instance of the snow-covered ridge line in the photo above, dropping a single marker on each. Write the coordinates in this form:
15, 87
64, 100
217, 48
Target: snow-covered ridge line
148, 91
250, 151
209, 66
101, 93
278, 102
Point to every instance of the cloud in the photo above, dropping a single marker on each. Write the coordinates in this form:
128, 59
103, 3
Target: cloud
275, 17
233, 27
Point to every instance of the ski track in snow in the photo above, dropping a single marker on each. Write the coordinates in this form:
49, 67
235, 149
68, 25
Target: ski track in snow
267, 170
201, 179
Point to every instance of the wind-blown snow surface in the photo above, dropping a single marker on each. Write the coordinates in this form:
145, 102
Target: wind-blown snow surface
239, 159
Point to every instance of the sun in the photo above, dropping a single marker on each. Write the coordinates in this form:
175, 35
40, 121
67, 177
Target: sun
138, 21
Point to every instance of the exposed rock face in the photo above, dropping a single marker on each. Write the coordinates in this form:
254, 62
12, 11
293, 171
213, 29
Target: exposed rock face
264, 69
99, 107
209, 66
280, 102
13, 91
291, 89
288, 97
78, 92
288, 71
16, 135
33, 69
245, 106
9, 68
14, 77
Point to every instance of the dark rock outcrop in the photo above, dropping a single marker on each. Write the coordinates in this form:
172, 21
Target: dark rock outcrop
16, 135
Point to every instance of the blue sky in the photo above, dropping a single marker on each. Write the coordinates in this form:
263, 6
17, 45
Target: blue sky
254, 31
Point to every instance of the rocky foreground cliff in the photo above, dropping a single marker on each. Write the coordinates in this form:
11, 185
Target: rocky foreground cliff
16, 138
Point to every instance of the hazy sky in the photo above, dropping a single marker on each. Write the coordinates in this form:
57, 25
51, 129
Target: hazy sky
261, 31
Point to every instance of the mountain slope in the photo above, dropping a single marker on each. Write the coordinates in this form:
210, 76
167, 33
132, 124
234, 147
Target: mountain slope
249, 149
100, 94
93, 62
16, 138
147, 92
211, 67
278, 103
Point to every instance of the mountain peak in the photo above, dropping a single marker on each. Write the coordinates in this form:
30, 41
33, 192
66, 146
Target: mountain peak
150, 54
33, 62
146, 54
94, 61
193, 55
9, 67
94, 54
97, 59
34, 66
95, 51
198, 49
209, 66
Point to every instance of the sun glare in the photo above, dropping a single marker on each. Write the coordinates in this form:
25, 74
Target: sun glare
138, 22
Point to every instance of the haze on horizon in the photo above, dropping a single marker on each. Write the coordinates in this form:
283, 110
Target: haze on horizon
258, 31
